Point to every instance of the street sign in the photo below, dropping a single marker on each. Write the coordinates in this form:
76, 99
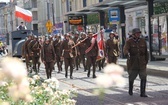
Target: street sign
49, 26
114, 15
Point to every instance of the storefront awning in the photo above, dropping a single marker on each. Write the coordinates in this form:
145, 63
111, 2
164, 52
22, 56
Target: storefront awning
106, 5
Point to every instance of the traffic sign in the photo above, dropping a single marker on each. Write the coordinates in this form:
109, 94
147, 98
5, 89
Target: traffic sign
49, 26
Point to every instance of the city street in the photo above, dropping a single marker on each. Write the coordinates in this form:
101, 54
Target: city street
157, 89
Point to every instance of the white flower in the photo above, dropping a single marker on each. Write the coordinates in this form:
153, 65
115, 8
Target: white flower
4, 103
3, 83
49, 90
13, 68
112, 77
118, 80
31, 81
36, 77
104, 81
113, 69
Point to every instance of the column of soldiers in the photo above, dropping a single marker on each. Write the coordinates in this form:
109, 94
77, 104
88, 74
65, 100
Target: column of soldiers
71, 51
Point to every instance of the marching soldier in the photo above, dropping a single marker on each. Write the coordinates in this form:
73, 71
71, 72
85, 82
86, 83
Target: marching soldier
82, 48
76, 60
26, 50
48, 57
57, 44
136, 51
68, 53
112, 48
91, 53
35, 49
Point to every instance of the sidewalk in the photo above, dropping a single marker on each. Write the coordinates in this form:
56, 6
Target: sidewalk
155, 68
155, 65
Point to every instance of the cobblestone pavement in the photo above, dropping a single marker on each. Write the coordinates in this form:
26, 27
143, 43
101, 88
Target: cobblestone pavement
157, 90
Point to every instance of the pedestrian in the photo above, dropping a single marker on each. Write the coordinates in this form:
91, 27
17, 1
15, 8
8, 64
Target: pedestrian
68, 54
91, 53
112, 48
48, 57
137, 58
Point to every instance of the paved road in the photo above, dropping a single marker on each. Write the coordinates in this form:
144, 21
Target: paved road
157, 89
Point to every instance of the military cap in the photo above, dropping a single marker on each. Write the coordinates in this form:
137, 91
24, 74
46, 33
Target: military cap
136, 30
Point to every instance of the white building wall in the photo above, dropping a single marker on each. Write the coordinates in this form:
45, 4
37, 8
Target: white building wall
132, 16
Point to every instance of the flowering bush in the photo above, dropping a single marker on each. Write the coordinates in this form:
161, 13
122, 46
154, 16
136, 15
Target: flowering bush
112, 77
18, 89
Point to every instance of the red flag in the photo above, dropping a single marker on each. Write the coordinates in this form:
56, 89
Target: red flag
26, 15
100, 42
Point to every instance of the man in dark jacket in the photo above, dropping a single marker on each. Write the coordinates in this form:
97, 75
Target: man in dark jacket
112, 48
68, 53
48, 57
57, 45
136, 51
91, 53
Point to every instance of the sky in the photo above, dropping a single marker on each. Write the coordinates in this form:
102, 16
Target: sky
4, 0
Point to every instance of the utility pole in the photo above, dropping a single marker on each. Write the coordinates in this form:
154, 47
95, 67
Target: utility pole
48, 10
53, 13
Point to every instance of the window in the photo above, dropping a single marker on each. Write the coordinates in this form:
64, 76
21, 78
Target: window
84, 3
100, 0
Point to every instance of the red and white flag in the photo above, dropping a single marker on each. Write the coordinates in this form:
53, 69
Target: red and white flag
26, 15
99, 37
100, 42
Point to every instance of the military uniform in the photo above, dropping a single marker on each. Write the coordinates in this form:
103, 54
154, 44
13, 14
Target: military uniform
57, 45
76, 60
35, 49
136, 51
112, 49
91, 54
48, 57
82, 49
68, 54
27, 52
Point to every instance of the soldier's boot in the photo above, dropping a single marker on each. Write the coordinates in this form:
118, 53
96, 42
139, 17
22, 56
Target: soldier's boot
94, 71
38, 69
88, 74
47, 74
143, 88
71, 72
50, 73
59, 68
61, 65
130, 88
66, 73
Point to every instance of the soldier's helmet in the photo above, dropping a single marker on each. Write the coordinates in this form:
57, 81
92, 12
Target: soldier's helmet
76, 33
136, 30
35, 36
112, 33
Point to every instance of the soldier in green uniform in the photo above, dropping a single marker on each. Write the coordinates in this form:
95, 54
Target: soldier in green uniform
136, 51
